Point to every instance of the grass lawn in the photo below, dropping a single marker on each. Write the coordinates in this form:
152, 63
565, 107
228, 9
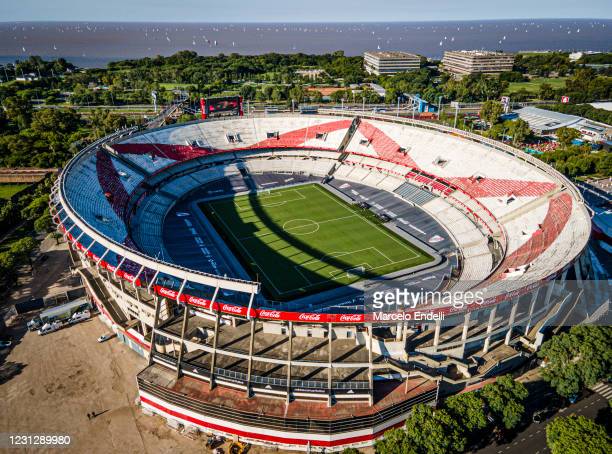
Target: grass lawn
304, 239
9, 190
533, 86
175, 86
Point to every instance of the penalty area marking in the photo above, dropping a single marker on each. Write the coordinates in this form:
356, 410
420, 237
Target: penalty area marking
268, 195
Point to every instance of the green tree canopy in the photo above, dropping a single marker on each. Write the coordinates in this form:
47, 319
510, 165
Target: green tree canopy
469, 409
434, 431
43, 224
519, 130
395, 441
577, 359
491, 111
55, 120
23, 247
566, 135
505, 399
577, 435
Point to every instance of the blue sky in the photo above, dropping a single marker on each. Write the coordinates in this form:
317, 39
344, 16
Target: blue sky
297, 10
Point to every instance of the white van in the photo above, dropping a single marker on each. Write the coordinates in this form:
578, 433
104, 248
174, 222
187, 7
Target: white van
49, 328
79, 317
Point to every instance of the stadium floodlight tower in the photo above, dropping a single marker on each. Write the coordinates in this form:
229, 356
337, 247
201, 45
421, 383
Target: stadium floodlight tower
154, 98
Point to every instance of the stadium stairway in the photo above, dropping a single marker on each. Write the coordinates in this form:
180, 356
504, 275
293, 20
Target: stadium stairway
348, 137
414, 194
528, 207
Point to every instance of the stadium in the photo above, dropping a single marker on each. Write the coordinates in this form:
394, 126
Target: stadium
237, 254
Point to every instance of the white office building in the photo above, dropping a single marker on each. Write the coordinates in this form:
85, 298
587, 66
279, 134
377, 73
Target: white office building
388, 62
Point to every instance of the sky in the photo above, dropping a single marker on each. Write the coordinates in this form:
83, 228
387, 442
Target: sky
297, 10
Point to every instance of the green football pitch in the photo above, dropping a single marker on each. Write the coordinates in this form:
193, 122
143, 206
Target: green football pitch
304, 239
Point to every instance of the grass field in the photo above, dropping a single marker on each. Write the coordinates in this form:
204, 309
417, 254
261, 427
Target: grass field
304, 239
175, 86
533, 86
9, 190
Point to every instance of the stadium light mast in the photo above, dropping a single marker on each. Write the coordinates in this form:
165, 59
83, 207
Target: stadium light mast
154, 97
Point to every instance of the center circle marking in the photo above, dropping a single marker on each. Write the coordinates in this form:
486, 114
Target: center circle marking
301, 226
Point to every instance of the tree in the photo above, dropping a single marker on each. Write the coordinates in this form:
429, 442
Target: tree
35, 208
395, 441
566, 135
505, 399
267, 91
469, 409
577, 359
18, 111
7, 268
277, 94
43, 223
546, 91
248, 91
297, 94
496, 131
55, 120
519, 130
350, 451
23, 247
434, 431
103, 121
491, 111
577, 435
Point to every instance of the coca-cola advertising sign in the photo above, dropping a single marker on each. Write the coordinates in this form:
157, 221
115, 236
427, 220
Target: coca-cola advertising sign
265, 313
350, 318
232, 309
195, 301
163, 291
309, 317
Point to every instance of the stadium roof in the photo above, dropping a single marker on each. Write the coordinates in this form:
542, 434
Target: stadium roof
546, 121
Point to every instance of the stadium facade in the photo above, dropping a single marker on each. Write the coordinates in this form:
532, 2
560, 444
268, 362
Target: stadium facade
320, 369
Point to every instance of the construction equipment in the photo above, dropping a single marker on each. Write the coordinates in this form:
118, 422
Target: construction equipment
238, 447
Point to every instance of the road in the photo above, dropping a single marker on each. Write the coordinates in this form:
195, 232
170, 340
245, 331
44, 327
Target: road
532, 440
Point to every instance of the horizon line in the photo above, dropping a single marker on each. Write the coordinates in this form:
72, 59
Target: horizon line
301, 22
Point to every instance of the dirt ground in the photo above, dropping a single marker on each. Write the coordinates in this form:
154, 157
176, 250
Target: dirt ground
49, 383
46, 278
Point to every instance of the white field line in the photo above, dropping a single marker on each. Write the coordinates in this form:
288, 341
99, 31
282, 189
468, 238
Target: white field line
273, 204
249, 254
414, 254
260, 235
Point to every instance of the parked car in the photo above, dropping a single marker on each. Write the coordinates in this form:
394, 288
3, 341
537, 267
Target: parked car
34, 324
104, 337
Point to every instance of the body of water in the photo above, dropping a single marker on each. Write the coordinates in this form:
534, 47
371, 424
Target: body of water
96, 43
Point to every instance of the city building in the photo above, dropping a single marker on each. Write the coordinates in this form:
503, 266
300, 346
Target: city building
464, 62
390, 62
311, 73
546, 122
